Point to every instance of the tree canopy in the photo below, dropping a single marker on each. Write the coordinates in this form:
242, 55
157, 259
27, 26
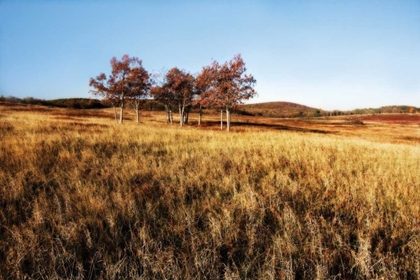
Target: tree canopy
128, 79
226, 85
223, 86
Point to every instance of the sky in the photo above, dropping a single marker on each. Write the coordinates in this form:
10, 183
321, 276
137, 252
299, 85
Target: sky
325, 54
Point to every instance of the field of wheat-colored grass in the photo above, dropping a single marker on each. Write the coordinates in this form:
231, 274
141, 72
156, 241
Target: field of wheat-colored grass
82, 197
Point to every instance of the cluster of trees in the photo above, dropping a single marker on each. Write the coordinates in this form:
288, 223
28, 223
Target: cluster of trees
222, 86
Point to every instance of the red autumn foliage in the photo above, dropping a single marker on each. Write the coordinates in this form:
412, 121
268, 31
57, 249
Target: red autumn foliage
226, 86
128, 79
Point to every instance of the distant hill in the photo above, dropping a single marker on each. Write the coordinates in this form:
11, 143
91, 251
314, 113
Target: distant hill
289, 109
279, 110
74, 103
398, 109
393, 109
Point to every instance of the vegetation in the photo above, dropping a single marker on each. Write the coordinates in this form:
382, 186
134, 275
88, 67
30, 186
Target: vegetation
293, 110
223, 86
279, 109
128, 80
176, 86
81, 198
226, 86
73, 103
266, 109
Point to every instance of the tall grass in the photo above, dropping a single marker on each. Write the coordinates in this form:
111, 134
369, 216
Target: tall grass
85, 198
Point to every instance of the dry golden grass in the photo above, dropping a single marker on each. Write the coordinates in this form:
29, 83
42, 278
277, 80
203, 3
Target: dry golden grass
82, 197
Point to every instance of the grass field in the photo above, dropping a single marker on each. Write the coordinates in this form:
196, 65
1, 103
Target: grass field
82, 197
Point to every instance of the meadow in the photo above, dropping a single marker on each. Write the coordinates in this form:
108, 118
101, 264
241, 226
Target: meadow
82, 197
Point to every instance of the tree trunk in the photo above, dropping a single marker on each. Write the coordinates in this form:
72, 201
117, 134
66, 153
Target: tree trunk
186, 113
227, 119
137, 114
171, 117
221, 119
168, 114
122, 109
181, 116
200, 113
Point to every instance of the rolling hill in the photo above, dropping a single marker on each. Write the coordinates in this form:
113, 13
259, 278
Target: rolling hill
280, 109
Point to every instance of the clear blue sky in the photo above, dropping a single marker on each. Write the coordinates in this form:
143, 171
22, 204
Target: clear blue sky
325, 54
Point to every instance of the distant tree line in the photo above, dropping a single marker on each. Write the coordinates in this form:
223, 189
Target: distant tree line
72, 103
370, 111
223, 86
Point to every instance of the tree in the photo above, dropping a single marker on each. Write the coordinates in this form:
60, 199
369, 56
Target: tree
181, 84
116, 87
103, 89
139, 83
228, 86
203, 90
176, 87
161, 93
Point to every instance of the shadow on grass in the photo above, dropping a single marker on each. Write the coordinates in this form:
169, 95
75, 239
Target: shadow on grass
266, 125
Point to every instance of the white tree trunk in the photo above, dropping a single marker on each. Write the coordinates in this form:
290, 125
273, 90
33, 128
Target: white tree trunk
181, 116
121, 114
122, 109
168, 113
227, 119
221, 119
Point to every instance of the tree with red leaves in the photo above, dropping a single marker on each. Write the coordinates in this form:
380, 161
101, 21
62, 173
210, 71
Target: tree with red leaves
160, 92
203, 89
180, 84
176, 87
139, 83
226, 86
128, 79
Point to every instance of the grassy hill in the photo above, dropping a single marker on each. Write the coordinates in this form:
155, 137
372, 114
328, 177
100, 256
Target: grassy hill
289, 109
74, 103
280, 109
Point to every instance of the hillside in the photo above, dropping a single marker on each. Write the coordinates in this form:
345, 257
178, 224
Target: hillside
289, 109
74, 103
279, 109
